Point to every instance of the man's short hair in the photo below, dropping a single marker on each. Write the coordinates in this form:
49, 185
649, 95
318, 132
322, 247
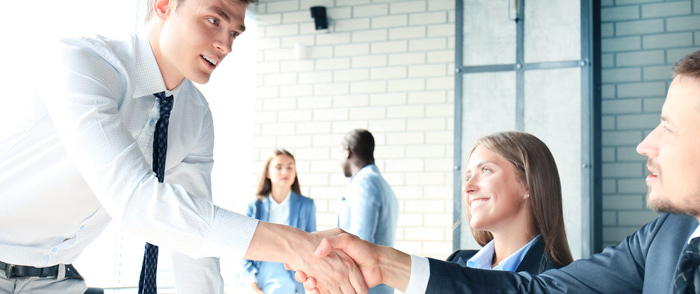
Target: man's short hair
149, 6
361, 144
689, 65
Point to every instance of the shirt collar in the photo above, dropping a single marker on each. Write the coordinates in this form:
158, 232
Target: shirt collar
484, 257
285, 202
366, 169
146, 78
696, 233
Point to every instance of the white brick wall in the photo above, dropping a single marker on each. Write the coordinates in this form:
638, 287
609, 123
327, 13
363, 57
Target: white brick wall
385, 66
640, 42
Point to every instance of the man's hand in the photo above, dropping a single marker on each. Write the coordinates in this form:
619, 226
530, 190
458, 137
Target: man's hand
337, 273
362, 252
365, 254
254, 289
332, 273
379, 264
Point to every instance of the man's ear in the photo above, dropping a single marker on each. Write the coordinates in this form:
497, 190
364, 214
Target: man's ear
161, 8
347, 153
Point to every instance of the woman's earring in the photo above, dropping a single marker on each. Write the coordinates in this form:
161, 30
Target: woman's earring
527, 195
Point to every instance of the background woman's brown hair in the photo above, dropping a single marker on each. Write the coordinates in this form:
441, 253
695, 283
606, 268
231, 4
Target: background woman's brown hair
265, 185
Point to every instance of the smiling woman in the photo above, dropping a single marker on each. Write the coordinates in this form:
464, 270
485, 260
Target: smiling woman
514, 205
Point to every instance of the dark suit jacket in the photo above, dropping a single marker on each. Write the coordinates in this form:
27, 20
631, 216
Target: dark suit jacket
645, 262
534, 261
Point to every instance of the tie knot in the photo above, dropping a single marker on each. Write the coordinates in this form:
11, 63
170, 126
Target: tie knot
160, 95
166, 103
692, 251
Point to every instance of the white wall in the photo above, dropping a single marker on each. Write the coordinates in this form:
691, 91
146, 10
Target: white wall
386, 66
641, 40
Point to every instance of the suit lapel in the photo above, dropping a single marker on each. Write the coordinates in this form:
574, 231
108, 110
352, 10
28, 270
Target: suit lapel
533, 258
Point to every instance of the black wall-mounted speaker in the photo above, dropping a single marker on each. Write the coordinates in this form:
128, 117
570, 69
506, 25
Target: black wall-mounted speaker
318, 13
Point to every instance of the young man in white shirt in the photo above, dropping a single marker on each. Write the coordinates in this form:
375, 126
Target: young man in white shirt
76, 151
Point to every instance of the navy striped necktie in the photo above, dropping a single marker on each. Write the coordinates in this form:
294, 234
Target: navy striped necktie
147, 280
685, 272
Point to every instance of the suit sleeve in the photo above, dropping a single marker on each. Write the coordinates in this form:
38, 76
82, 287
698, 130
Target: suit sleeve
618, 269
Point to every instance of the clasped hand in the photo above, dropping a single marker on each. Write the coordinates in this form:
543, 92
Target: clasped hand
337, 243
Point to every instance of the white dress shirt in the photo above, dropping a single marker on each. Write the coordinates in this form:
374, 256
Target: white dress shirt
420, 275
76, 151
695, 234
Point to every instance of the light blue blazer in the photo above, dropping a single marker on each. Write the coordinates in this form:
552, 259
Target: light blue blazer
302, 215
369, 209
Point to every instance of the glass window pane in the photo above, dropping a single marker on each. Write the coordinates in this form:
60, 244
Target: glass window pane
488, 106
489, 33
552, 30
553, 114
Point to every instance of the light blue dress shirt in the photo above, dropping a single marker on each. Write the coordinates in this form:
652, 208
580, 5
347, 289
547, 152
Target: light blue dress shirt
483, 259
370, 210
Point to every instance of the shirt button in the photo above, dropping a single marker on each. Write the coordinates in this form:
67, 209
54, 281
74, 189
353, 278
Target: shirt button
82, 228
152, 121
53, 249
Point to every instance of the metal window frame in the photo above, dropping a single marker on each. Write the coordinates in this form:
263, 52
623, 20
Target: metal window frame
591, 186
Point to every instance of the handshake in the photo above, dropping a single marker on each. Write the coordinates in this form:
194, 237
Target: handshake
331, 261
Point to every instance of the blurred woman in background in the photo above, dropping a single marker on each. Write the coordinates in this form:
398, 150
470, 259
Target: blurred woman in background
279, 201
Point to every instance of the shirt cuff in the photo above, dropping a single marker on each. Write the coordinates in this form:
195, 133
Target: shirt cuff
230, 234
420, 274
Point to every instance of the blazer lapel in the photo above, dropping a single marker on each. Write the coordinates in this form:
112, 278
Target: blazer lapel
294, 208
265, 213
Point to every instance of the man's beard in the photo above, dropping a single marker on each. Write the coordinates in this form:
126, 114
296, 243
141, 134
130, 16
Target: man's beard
660, 203
663, 204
